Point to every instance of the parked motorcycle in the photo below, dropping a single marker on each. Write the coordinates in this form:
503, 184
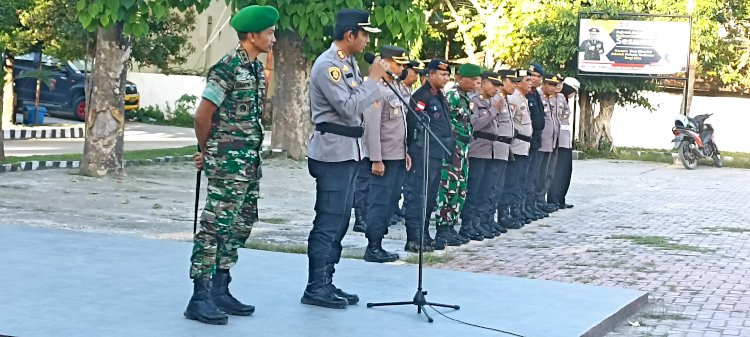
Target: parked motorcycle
694, 140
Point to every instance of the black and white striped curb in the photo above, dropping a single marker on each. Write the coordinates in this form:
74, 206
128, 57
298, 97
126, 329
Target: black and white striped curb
45, 165
46, 132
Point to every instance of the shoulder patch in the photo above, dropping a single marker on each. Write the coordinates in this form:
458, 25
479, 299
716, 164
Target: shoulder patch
334, 73
341, 55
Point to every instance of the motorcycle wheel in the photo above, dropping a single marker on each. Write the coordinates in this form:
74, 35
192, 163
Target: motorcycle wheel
686, 156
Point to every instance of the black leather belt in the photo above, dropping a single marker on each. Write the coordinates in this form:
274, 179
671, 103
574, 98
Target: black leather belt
493, 137
341, 130
522, 137
463, 139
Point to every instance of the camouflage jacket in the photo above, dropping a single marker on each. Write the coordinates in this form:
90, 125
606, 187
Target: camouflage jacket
460, 114
236, 85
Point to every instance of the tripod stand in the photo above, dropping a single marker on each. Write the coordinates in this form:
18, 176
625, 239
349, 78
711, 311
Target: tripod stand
419, 299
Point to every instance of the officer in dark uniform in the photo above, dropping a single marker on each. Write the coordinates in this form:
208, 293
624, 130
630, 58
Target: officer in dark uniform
338, 98
592, 48
536, 109
431, 106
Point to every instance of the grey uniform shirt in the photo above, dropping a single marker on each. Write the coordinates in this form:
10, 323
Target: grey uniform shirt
486, 118
338, 95
551, 133
566, 138
519, 107
385, 127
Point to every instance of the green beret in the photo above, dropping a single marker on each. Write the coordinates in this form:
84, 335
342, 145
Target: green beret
254, 19
469, 70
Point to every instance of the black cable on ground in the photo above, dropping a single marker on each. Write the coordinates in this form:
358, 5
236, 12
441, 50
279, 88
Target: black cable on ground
475, 325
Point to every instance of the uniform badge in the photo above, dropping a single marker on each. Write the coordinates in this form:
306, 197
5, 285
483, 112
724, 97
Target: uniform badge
345, 68
471, 105
334, 73
341, 55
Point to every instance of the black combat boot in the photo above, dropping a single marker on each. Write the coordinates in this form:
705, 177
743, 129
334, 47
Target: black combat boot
530, 208
469, 230
535, 207
201, 308
413, 240
360, 225
496, 227
525, 216
319, 293
223, 299
483, 228
376, 253
463, 240
444, 238
508, 220
350, 298
545, 207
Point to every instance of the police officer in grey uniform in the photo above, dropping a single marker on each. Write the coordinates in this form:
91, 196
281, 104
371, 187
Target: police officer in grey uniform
514, 191
430, 104
501, 190
338, 98
488, 152
553, 104
560, 176
385, 139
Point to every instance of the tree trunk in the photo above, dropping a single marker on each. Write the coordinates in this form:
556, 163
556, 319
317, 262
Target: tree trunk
291, 109
600, 125
690, 90
9, 95
586, 116
105, 113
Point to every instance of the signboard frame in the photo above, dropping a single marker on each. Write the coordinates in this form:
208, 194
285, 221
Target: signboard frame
623, 16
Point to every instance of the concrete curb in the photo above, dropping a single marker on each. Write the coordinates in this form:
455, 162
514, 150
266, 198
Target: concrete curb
45, 132
46, 165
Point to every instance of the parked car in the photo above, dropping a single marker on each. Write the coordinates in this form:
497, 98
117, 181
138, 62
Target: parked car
66, 92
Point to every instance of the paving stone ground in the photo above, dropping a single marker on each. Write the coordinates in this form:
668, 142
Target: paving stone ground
680, 235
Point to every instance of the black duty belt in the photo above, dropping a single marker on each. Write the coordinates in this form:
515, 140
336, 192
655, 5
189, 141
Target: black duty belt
463, 139
341, 130
522, 137
493, 137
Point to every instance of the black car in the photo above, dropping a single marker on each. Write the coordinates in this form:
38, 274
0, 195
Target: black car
66, 93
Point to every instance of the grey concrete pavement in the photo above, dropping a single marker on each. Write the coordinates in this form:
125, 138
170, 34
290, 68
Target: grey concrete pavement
65, 283
138, 136
680, 235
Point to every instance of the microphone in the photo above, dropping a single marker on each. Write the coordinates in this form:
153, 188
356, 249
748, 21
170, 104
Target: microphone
370, 58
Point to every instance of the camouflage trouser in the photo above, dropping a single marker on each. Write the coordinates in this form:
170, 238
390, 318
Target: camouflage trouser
453, 183
227, 219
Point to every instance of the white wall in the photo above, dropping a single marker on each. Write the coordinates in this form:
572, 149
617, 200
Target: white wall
158, 89
640, 128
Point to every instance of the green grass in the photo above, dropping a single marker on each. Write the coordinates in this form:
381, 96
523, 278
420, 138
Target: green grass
293, 248
274, 221
128, 155
665, 316
728, 229
739, 159
660, 242
428, 259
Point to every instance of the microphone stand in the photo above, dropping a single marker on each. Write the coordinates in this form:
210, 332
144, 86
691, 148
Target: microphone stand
419, 299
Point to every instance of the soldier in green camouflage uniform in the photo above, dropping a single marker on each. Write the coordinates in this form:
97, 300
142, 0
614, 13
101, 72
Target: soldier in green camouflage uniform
229, 132
454, 176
